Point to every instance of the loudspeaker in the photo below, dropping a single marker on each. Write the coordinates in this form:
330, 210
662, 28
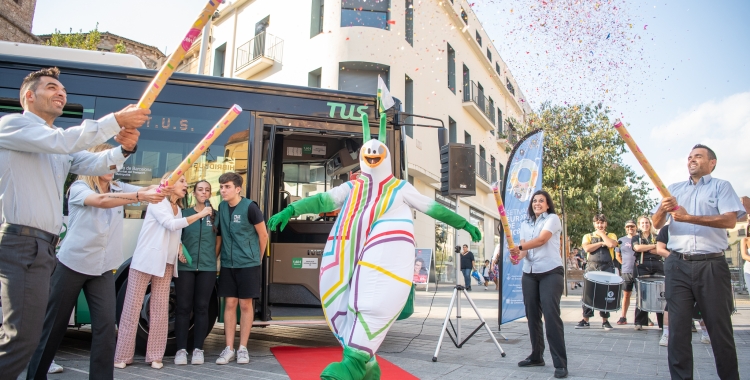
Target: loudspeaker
458, 170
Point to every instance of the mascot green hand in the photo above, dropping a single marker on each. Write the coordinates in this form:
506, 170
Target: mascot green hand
281, 219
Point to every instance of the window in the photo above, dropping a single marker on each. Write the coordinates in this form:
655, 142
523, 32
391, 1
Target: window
219, 54
452, 131
497, 67
409, 104
316, 18
479, 38
467, 138
501, 172
372, 13
445, 267
491, 107
480, 97
313, 78
476, 218
362, 77
409, 21
500, 121
510, 86
493, 167
489, 54
467, 84
451, 69
464, 16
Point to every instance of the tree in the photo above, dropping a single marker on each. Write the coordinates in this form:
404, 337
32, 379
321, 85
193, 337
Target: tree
120, 47
79, 40
583, 159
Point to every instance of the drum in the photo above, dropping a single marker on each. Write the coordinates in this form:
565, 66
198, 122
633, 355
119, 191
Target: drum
650, 293
602, 291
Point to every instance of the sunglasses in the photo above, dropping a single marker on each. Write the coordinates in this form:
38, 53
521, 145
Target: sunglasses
629, 226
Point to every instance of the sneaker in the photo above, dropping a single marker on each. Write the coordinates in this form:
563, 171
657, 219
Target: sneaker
606, 326
226, 356
197, 357
638, 327
243, 357
664, 340
485, 288
55, 368
692, 327
561, 373
180, 358
120, 365
583, 324
157, 365
705, 339
622, 321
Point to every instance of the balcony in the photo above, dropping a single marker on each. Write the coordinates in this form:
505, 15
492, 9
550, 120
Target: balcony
486, 172
258, 54
507, 137
509, 86
479, 106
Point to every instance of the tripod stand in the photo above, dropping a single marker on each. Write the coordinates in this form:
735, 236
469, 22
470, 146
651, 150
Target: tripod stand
456, 300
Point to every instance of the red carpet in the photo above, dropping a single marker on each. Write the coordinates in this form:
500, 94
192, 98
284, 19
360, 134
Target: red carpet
306, 363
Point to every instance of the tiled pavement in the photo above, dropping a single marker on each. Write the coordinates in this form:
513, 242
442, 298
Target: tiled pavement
592, 354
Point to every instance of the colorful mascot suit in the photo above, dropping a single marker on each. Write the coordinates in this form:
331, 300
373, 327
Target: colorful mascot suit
368, 261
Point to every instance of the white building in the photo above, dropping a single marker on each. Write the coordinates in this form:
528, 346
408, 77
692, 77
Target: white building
433, 55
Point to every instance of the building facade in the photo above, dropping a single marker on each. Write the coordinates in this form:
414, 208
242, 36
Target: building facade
151, 56
16, 18
433, 55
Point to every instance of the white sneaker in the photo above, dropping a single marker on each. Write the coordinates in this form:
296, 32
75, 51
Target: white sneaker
55, 368
705, 339
197, 357
485, 288
243, 357
157, 365
226, 356
664, 340
180, 358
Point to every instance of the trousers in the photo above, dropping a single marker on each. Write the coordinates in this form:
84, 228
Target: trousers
707, 283
159, 315
64, 289
193, 290
541, 298
26, 264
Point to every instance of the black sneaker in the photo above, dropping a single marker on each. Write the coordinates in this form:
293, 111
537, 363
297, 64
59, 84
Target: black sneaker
530, 363
606, 326
583, 324
622, 321
561, 373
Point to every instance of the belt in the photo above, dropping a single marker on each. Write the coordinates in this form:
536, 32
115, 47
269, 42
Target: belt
17, 229
696, 256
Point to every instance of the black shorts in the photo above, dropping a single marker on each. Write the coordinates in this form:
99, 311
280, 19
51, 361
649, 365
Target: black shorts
242, 283
627, 282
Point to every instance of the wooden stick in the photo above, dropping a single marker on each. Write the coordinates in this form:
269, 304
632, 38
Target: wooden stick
620, 128
157, 84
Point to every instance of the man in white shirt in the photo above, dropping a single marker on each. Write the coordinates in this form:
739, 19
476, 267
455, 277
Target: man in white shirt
35, 158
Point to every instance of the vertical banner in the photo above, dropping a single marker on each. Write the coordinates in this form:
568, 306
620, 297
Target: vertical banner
523, 177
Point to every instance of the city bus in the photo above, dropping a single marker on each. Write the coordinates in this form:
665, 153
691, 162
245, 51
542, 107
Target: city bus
288, 143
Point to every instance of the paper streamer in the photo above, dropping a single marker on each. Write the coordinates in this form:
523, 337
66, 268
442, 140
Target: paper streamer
188, 258
620, 128
199, 149
157, 84
503, 217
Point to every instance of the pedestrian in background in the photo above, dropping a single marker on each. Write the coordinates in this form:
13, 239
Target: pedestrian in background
196, 279
467, 265
86, 261
154, 261
35, 159
543, 282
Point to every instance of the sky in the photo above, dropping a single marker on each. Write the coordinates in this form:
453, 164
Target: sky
676, 72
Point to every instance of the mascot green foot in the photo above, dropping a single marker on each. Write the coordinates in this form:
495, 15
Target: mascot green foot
352, 367
372, 370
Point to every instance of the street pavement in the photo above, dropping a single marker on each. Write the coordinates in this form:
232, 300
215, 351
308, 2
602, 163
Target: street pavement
622, 353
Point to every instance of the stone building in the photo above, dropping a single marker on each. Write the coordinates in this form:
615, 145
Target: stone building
16, 17
152, 57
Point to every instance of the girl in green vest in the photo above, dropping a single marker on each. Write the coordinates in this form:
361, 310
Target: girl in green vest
197, 276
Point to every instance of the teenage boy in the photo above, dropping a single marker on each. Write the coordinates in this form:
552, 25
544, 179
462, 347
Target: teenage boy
243, 241
600, 246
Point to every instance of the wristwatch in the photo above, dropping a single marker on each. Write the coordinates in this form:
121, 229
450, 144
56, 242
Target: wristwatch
128, 152
520, 247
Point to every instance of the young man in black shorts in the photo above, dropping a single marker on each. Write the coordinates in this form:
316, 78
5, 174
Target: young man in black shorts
243, 241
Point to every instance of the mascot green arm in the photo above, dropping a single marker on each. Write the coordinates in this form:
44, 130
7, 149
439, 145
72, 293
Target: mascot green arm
322, 202
441, 213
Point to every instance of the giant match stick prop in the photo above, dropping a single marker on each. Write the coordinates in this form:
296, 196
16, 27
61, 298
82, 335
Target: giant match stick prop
504, 219
157, 84
620, 128
199, 149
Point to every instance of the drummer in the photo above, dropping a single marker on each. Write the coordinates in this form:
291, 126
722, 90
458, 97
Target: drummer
649, 264
600, 247
626, 257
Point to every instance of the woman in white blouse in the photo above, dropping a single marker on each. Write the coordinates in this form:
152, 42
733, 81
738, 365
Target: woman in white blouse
154, 261
542, 282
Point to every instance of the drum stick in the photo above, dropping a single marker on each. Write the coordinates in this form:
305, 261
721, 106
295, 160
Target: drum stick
213, 133
157, 84
620, 128
503, 218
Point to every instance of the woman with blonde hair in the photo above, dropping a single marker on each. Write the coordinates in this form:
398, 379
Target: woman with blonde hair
648, 263
155, 262
88, 255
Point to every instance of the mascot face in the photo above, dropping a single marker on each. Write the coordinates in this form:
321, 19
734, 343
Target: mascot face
374, 156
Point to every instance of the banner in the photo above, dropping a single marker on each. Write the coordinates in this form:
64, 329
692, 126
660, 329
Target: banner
523, 176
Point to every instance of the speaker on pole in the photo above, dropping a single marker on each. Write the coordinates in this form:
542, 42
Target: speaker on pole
458, 170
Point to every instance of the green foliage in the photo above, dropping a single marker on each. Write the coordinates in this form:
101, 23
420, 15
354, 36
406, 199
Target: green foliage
79, 40
583, 158
120, 47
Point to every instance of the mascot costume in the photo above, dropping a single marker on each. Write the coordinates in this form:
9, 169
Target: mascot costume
368, 261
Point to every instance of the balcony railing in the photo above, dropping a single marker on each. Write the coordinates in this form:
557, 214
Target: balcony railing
486, 171
510, 87
263, 45
473, 94
507, 133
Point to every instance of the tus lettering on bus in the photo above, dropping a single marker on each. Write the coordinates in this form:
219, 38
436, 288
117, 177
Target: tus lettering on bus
361, 110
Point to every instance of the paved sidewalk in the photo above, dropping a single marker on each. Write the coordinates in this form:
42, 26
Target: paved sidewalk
592, 354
